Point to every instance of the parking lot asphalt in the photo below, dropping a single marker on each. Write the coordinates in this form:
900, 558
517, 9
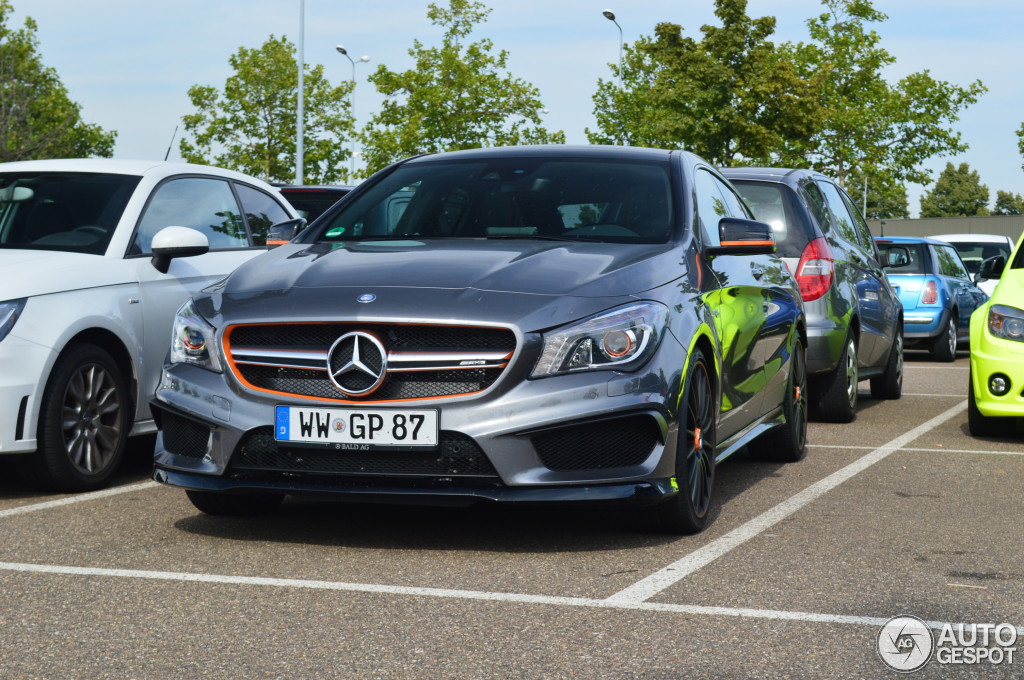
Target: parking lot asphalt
899, 513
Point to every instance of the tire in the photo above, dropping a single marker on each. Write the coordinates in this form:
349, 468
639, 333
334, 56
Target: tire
788, 443
234, 504
981, 425
687, 511
84, 420
835, 394
944, 347
889, 385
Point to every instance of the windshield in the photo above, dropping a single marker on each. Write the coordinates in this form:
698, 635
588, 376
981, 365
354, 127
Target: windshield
974, 253
534, 198
75, 212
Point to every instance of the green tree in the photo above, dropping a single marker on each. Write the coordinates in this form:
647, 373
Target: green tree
458, 96
887, 197
250, 126
37, 117
729, 97
1008, 203
866, 120
958, 192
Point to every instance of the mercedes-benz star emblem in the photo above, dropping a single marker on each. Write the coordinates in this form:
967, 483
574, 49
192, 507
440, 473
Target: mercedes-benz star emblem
366, 297
357, 363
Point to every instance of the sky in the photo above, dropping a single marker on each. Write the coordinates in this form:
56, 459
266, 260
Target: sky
130, 63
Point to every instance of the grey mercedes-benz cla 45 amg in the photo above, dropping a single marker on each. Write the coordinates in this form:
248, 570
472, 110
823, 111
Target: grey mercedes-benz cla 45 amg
528, 324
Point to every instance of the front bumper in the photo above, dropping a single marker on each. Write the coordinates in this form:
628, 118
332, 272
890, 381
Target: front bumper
991, 356
502, 424
23, 362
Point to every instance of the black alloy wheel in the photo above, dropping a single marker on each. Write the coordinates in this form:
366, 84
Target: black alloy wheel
788, 443
687, 511
83, 423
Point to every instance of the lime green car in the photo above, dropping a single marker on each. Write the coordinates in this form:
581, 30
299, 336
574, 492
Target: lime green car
996, 394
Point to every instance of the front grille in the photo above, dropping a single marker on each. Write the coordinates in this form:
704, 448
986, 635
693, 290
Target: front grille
423, 361
184, 437
456, 456
619, 442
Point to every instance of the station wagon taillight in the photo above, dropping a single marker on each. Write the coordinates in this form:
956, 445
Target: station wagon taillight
816, 270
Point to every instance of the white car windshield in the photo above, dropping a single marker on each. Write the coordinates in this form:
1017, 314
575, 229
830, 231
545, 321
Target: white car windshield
69, 211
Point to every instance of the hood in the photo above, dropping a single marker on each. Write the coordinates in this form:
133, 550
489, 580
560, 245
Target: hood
526, 267
532, 285
25, 273
1009, 288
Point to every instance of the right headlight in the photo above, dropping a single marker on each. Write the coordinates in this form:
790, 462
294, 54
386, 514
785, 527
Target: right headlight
1006, 322
9, 313
619, 339
194, 340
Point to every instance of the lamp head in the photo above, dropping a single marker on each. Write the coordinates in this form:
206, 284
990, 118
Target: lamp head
609, 15
341, 49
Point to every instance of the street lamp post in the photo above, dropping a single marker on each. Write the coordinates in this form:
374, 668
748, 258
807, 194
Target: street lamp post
352, 102
610, 16
300, 115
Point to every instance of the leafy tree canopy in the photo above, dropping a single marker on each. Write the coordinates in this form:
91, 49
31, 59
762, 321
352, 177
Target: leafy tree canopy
958, 192
1008, 203
729, 97
37, 117
866, 120
458, 96
250, 125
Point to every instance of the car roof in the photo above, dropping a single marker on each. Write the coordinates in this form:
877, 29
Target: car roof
556, 151
784, 175
973, 238
910, 239
156, 169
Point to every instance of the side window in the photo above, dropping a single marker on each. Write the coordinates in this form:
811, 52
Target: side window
844, 220
950, 263
816, 202
859, 223
204, 204
711, 206
733, 203
261, 211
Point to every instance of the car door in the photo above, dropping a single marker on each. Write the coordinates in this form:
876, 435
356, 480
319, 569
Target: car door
209, 205
959, 284
875, 298
738, 309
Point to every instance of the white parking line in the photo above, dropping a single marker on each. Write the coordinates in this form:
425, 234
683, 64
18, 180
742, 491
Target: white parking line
777, 615
79, 498
660, 580
937, 449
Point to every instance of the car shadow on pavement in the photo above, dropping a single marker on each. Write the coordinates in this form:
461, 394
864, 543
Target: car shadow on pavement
483, 526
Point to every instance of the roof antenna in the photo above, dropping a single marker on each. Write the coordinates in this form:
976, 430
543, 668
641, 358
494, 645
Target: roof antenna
168, 154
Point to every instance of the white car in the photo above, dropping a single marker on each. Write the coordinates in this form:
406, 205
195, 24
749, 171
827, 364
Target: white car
976, 248
96, 257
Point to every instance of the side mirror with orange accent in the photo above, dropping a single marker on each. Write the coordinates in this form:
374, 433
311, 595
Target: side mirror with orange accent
738, 236
283, 232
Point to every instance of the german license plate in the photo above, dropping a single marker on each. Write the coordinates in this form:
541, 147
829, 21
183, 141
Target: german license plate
356, 428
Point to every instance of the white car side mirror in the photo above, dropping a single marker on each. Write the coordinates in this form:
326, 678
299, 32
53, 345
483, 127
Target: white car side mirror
172, 242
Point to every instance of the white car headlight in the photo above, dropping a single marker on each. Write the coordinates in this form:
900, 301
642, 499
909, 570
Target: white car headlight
1006, 322
9, 313
194, 340
619, 339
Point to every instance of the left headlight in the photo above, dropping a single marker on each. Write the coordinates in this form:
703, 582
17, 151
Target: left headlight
620, 339
194, 340
9, 313
1006, 322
